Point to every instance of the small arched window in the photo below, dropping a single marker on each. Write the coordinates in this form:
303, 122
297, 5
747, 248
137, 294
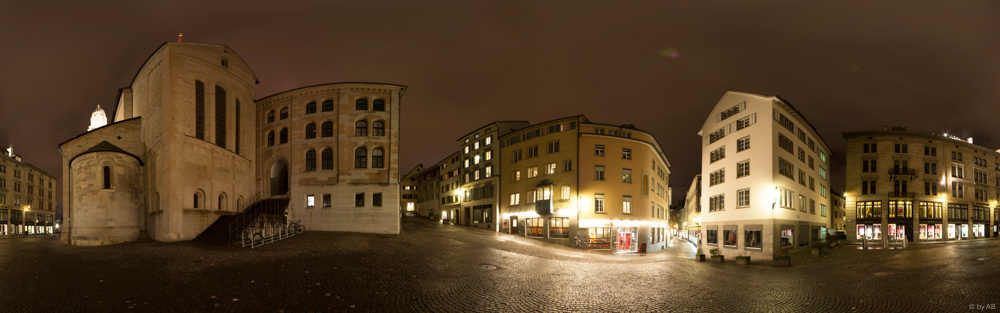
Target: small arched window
222, 201
378, 105
361, 104
360, 158
361, 128
196, 201
327, 159
378, 160
270, 116
270, 138
327, 105
311, 107
311, 131
283, 136
107, 177
378, 128
327, 129
311, 160
284, 112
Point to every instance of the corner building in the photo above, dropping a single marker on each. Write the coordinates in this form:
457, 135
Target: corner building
26, 205
924, 186
765, 178
188, 144
570, 178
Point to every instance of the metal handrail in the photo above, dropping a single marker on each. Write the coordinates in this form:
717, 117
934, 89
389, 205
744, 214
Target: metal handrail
263, 212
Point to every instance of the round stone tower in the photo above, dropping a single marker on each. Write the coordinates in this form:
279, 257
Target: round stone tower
108, 196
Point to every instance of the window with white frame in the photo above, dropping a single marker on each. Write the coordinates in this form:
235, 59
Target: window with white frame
787, 198
627, 175
533, 172
565, 192
599, 172
626, 204
489, 171
552, 146
599, 203
626, 153
717, 154
743, 144
716, 203
310, 201
717, 177
599, 150
802, 203
743, 198
515, 198
489, 155
550, 168
531, 196
743, 169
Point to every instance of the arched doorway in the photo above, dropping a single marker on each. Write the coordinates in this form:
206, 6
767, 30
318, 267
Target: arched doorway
279, 178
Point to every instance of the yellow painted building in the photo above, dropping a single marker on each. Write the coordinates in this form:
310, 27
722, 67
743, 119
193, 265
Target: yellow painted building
578, 183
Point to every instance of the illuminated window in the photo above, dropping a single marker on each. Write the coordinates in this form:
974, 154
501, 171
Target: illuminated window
565, 193
310, 199
533, 172
489, 140
489, 155
550, 168
599, 203
489, 171
626, 204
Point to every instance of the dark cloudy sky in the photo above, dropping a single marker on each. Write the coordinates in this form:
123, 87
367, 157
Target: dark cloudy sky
846, 65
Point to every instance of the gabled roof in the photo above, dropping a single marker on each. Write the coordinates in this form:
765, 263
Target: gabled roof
105, 146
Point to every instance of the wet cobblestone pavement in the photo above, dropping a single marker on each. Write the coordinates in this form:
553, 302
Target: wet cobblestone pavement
443, 268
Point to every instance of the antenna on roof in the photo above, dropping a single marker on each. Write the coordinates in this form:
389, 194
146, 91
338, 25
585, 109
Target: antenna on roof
179, 37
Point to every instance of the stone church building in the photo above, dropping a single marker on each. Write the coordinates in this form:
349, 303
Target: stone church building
187, 144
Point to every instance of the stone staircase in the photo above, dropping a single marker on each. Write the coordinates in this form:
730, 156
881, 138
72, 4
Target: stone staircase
259, 222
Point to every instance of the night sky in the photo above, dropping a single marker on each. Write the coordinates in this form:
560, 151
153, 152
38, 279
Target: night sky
846, 65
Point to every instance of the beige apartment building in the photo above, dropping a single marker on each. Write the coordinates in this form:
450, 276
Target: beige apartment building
921, 186
26, 202
479, 151
408, 190
689, 216
450, 197
570, 180
765, 178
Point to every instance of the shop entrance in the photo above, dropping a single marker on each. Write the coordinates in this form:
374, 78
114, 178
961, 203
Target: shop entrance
513, 225
468, 216
626, 240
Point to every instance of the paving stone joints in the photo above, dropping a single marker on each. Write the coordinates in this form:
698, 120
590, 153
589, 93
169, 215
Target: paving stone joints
444, 268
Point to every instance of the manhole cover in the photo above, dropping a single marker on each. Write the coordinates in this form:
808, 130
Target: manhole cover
487, 267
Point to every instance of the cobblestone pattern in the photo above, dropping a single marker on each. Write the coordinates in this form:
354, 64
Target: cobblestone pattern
445, 268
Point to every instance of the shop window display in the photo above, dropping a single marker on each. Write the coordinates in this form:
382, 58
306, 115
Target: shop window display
787, 238
713, 236
730, 240
536, 227
951, 231
559, 228
751, 239
600, 238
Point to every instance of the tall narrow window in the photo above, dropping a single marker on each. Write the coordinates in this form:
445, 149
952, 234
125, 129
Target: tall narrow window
327, 129
220, 117
360, 158
361, 104
311, 107
327, 159
199, 110
311, 160
270, 138
327, 105
237, 134
310, 130
378, 105
361, 128
196, 201
378, 160
378, 128
283, 136
107, 177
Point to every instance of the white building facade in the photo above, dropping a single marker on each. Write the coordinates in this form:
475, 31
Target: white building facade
765, 178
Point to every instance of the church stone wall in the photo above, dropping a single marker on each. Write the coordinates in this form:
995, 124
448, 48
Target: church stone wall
105, 216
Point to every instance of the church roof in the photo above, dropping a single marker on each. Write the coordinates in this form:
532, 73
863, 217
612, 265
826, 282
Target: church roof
105, 146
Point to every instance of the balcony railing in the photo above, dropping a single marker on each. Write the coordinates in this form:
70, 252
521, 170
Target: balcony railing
898, 194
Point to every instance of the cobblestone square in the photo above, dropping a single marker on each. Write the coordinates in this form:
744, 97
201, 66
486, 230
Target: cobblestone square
444, 268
